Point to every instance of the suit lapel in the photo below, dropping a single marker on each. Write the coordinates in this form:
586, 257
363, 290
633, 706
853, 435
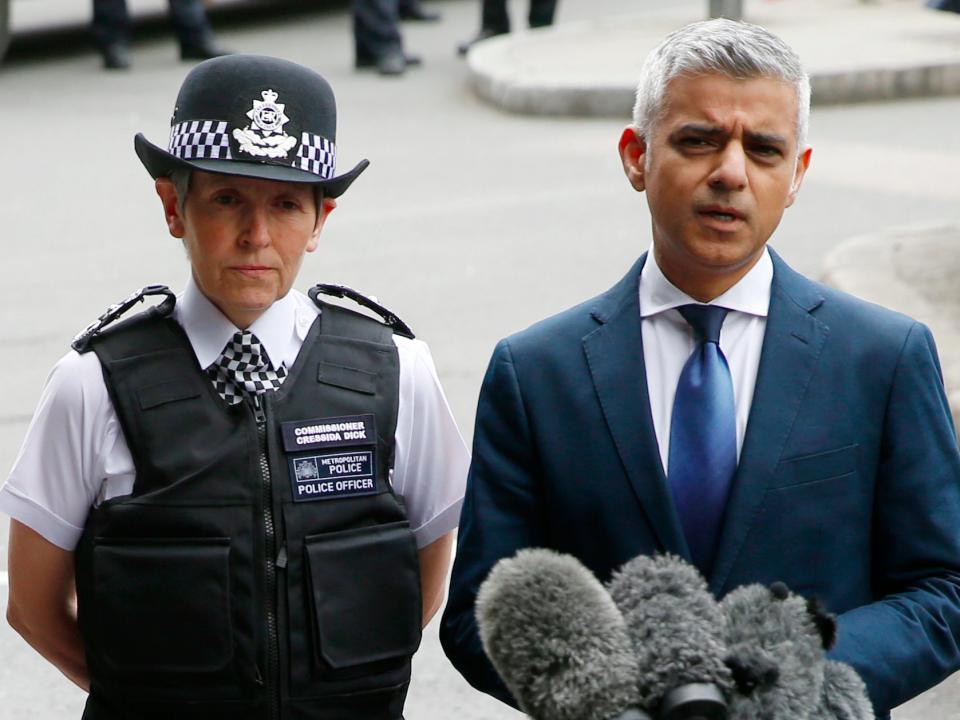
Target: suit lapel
614, 353
792, 344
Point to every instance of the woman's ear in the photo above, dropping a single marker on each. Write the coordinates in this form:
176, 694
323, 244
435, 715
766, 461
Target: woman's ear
327, 206
171, 206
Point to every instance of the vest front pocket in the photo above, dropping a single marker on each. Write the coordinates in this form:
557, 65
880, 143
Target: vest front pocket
162, 606
364, 588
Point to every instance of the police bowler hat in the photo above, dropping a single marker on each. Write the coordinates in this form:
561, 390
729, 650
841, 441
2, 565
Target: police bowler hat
254, 116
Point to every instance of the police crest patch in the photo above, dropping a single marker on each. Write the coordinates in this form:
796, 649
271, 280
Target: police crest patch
264, 136
333, 474
306, 469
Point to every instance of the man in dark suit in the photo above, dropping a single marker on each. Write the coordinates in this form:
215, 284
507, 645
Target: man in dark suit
717, 405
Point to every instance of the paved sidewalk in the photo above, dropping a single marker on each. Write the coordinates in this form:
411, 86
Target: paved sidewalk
854, 51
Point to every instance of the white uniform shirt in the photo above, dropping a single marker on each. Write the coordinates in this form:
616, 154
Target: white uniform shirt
75, 455
668, 341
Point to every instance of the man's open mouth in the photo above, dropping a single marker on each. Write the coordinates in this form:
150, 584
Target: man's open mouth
721, 213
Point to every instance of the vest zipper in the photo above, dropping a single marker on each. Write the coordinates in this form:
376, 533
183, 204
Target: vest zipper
270, 553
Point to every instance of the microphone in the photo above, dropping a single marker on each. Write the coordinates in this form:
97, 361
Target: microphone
677, 630
777, 642
844, 695
557, 640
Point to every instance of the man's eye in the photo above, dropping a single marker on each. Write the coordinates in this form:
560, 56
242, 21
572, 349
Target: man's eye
696, 143
289, 205
767, 150
225, 199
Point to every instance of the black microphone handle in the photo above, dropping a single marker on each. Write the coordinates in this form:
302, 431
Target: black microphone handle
694, 701
632, 714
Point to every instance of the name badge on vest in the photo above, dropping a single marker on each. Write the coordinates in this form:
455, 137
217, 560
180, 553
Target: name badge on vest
331, 457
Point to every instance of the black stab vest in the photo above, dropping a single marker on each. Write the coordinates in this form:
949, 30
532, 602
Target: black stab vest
262, 568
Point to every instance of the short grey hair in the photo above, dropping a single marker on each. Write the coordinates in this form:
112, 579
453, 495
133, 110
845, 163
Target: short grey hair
736, 49
181, 177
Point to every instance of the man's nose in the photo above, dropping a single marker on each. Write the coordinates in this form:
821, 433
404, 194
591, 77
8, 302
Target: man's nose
730, 174
257, 231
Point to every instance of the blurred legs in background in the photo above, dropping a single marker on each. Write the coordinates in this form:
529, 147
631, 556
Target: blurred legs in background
376, 34
948, 5
495, 20
111, 31
414, 11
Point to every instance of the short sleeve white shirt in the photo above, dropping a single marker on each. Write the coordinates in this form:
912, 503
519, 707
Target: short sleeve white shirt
75, 456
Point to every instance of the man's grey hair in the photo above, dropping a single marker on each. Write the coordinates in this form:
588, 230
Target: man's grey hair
736, 49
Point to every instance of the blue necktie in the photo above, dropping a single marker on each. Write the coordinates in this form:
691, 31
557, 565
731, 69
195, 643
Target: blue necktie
703, 436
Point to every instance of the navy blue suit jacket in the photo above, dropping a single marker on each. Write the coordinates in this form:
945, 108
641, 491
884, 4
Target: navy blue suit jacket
848, 486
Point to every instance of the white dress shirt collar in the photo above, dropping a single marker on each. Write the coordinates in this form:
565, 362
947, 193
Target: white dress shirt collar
281, 329
750, 295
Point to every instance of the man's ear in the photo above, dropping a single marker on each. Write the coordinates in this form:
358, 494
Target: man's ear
633, 153
327, 206
803, 162
171, 210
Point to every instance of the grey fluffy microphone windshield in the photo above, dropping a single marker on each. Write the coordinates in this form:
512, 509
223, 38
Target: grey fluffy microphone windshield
677, 630
556, 638
777, 642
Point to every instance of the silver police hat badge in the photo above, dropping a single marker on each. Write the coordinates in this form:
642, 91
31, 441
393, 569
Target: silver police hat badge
264, 137
253, 116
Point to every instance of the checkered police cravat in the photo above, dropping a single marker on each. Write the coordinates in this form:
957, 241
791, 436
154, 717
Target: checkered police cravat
243, 368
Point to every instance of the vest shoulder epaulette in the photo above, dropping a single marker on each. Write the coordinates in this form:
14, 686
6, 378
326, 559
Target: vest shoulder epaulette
389, 318
82, 342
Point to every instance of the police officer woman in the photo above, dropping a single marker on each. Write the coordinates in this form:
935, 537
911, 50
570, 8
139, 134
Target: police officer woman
252, 490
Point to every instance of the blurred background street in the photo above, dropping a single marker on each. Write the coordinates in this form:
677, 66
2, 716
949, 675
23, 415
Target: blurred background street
471, 223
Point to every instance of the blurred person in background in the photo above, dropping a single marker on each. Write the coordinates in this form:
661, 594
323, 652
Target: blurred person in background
111, 31
414, 11
494, 20
947, 5
377, 38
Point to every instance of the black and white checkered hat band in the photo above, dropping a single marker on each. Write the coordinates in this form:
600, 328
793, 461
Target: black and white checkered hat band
210, 140
316, 155
200, 140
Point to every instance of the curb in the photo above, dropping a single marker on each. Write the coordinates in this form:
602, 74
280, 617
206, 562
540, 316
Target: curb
913, 270
837, 88
883, 51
